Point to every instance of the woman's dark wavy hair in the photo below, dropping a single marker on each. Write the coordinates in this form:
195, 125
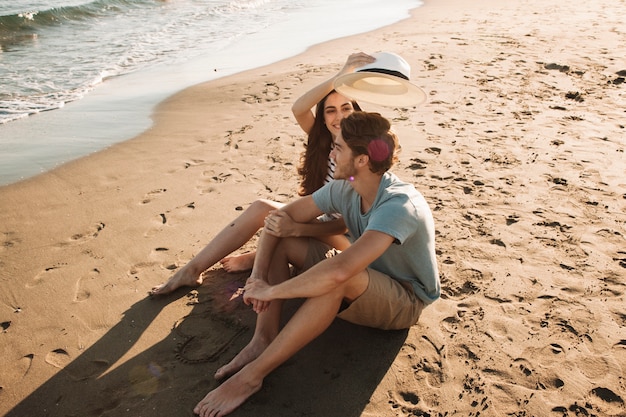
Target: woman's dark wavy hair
314, 160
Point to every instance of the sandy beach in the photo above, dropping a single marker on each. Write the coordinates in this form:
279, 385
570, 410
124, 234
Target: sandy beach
519, 152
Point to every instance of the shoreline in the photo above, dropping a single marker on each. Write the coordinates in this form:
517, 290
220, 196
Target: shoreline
527, 190
122, 107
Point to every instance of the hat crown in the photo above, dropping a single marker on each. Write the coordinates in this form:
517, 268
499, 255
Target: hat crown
384, 82
388, 63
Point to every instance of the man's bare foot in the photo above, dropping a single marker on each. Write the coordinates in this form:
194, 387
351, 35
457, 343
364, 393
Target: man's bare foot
247, 355
238, 263
182, 278
228, 396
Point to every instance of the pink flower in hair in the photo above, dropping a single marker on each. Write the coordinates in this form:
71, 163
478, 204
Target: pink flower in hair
378, 150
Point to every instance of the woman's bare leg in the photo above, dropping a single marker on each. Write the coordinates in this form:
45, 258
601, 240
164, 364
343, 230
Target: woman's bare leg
231, 238
245, 262
239, 263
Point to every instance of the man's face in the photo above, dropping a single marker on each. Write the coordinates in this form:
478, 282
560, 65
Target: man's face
344, 159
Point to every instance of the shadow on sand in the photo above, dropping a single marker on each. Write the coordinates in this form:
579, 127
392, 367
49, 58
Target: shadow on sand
335, 375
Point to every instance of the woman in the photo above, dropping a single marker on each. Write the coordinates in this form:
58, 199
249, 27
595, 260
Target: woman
315, 170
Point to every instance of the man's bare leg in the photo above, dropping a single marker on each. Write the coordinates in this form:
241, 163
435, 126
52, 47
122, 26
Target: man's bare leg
238, 263
268, 323
231, 238
264, 334
311, 319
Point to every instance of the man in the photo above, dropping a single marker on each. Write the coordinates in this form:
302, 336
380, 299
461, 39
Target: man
384, 279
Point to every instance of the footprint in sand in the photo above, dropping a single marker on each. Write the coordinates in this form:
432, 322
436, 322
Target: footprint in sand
151, 266
572, 324
87, 370
467, 282
426, 359
9, 240
432, 362
598, 399
451, 324
417, 164
595, 367
410, 403
137, 268
87, 285
271, 92
45, 275
206, 184
512, 219
608, 400
473, 392
58, 358
469, 315
170, 217
188, 164
433, 150
426, 363
194, 162
79, 238
149, 196
232, 137
25, 363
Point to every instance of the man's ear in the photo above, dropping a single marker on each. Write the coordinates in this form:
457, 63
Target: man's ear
363, 160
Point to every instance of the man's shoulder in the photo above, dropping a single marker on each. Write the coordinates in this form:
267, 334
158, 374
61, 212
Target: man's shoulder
404, 196
395, 187
335, 190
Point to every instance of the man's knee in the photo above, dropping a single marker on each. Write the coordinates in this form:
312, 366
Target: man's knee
293, 250
355, 286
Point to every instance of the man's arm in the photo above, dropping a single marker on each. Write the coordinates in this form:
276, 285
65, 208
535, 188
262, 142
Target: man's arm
302, 210
328, 274
280, 224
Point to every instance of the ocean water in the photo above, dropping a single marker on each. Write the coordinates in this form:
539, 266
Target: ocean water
79, 75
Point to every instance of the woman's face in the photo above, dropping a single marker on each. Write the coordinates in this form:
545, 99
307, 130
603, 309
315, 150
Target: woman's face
336, 108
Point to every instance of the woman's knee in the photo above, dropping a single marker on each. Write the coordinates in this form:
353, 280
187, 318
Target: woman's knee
262, 207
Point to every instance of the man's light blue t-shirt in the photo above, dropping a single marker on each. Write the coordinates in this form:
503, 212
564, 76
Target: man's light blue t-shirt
401, 212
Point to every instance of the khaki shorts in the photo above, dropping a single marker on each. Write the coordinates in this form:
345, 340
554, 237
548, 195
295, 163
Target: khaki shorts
386, 303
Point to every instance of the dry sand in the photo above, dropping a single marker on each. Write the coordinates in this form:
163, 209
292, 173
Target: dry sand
520, 152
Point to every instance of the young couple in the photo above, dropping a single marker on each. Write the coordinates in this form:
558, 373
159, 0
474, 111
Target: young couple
383, 277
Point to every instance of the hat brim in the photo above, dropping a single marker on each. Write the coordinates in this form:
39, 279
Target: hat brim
378, 88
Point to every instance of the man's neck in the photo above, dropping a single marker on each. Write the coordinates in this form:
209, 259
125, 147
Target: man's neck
366, 185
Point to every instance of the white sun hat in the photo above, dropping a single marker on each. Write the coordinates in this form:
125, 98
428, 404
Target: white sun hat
384, 82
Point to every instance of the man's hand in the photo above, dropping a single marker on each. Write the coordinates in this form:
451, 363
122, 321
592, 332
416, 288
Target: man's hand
279, 224
256, 293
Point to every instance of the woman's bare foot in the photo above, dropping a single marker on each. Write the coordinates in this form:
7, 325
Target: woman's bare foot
247, 355
227, 397
182, 278
238, 263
